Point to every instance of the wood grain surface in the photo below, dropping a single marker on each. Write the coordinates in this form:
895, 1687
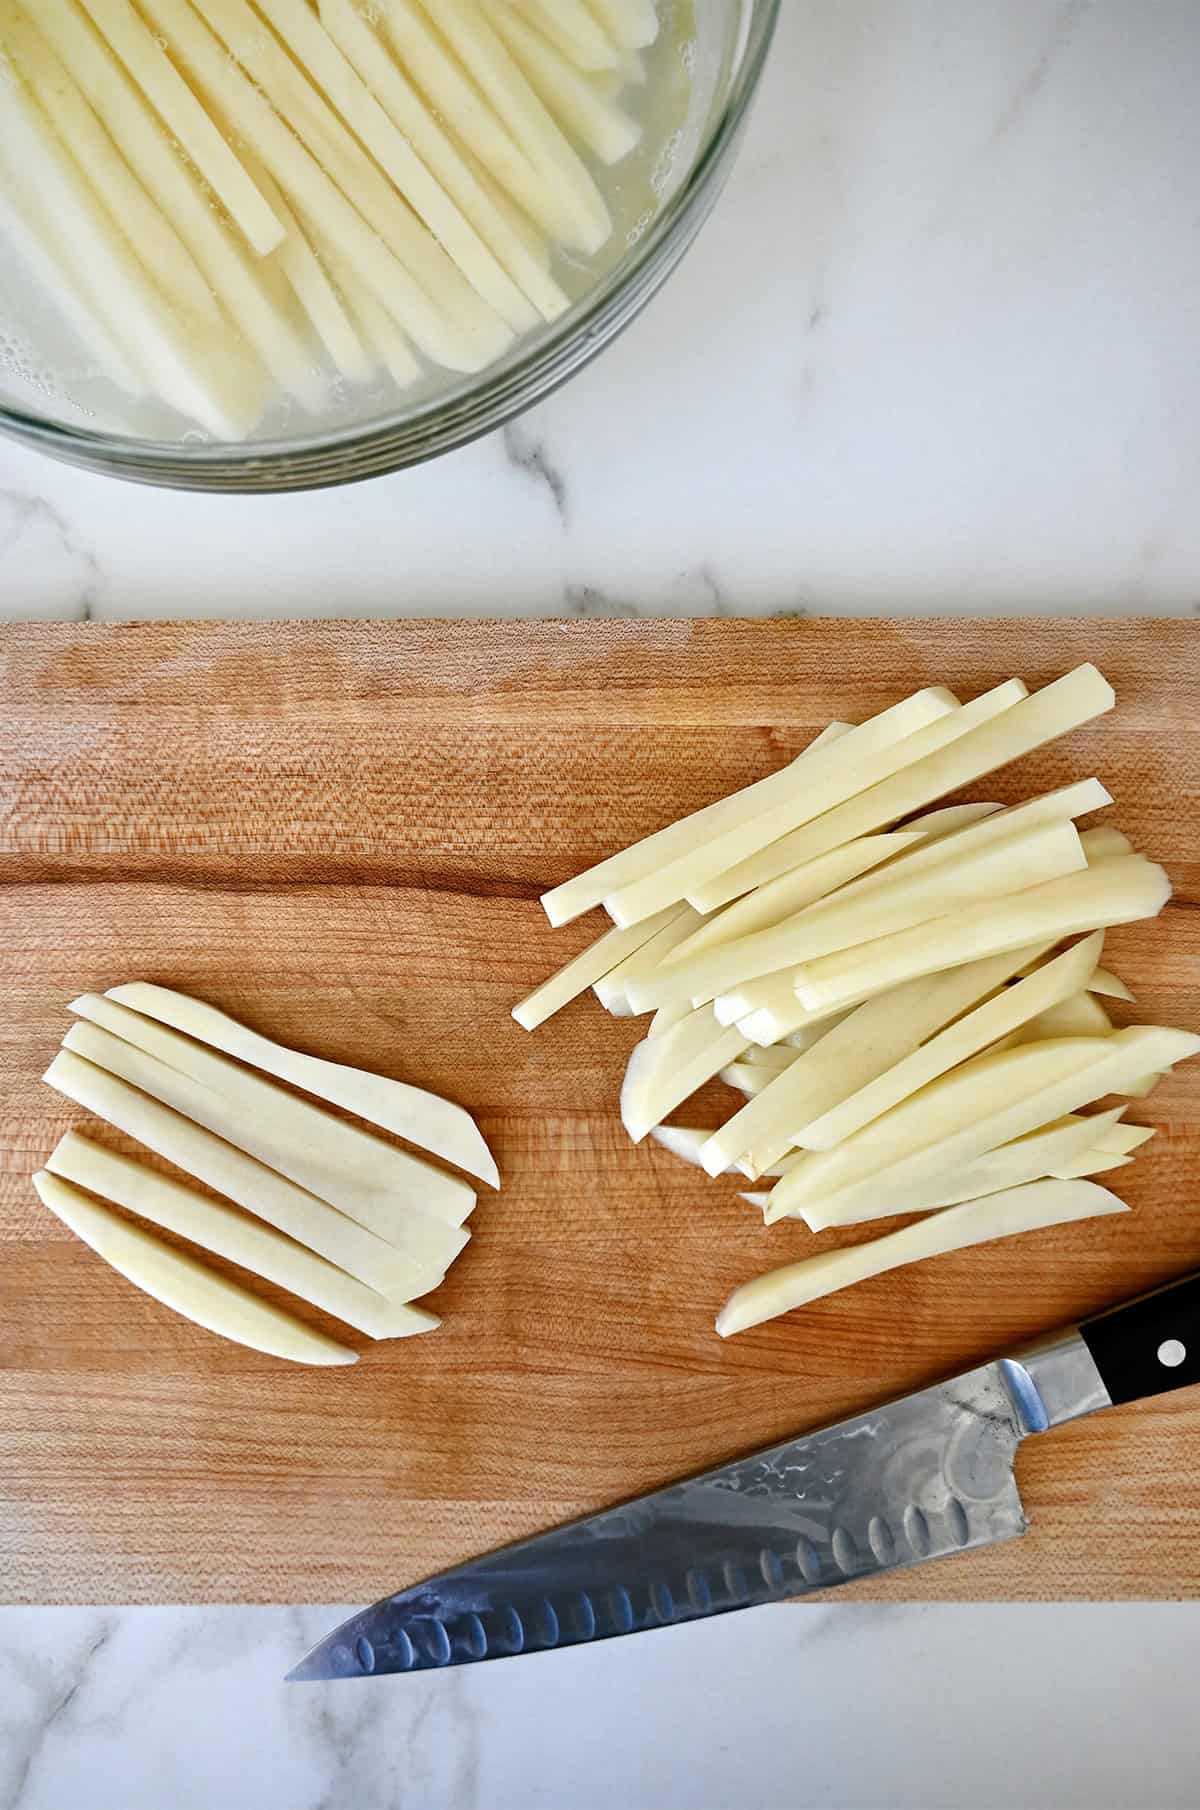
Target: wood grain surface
339, 832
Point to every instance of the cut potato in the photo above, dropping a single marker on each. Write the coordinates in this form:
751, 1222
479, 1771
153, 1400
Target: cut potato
1114, 892
715, 872
1142, 1086
988, 1102
1029, 1001
1080, 1015
117, 189
1103, 843
1042, 854
948, 819
791, 891
630, 24
484, 205
588, 889
746, 1078
313, 290
663, 1020
577, 33
239, 1177
1039, 1154
497, 77
864, 1044
378, 328
226, 264
1042, 1203
676, 924
1109, 985
1068, 703
579, 109
412, 1113
188, 1287
175, 358
585, 969
329, 69
235, 1236
665, 1071
825, 780
186, 120
1092, 1162
319, 1153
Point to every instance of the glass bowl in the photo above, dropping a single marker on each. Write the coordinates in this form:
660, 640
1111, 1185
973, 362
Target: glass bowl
725, 54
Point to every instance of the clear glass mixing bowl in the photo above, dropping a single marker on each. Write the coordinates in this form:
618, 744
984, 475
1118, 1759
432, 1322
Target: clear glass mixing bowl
726, 55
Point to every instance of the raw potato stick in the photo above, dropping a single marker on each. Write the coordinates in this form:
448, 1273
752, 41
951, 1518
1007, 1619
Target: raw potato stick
1116, 892
412, 1113
806, 885
1109, 985
294, 1142
485, 206
826, 779
173, 362
499, 80
664, 1071
585, 969
185, 119
677, 923
376, 325
700, 875
1077, 698
466, 112
188, 1287
988, 1102
239, 1177
166, 260
1043, 1203
1079, 1015
576, 32
225, 263
570, 99
312, 192
287, 86
235, 1236
1041, 855
318, 53
1028, 1159
865, 1043
631, 24
968, 1036
314, 291
585, 890
1103, 843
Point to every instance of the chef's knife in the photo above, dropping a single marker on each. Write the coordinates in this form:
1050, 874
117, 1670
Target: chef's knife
927, 1475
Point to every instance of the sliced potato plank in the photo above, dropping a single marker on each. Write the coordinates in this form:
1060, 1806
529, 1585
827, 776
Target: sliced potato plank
235, 1236
1042, 1203
188, 1287
239, 1177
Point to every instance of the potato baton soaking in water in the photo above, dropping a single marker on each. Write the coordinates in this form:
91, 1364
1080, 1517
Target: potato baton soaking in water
220, 218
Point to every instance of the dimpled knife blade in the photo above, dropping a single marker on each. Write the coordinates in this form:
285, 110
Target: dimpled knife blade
928, 1475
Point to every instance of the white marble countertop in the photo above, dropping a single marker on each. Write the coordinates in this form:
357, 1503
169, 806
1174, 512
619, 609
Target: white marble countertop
935, 352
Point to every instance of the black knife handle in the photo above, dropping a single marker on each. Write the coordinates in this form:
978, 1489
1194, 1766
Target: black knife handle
1150, 1345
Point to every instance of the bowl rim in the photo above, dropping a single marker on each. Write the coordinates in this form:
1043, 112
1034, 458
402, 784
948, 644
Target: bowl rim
493, 396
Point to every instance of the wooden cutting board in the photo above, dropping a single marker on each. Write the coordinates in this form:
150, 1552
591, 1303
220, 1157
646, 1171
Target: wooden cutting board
339, 832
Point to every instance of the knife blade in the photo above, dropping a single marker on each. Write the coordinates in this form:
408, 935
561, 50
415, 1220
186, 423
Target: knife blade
918, 1478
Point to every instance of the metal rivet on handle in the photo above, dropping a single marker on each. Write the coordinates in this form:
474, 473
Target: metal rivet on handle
1172, 1353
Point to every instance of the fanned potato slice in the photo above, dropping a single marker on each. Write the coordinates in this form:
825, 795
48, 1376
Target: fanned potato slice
188, 1287
235, 1236
1042, 1203
1115, 892
1029, 1001
311, 1222
1010, 867
584, 970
